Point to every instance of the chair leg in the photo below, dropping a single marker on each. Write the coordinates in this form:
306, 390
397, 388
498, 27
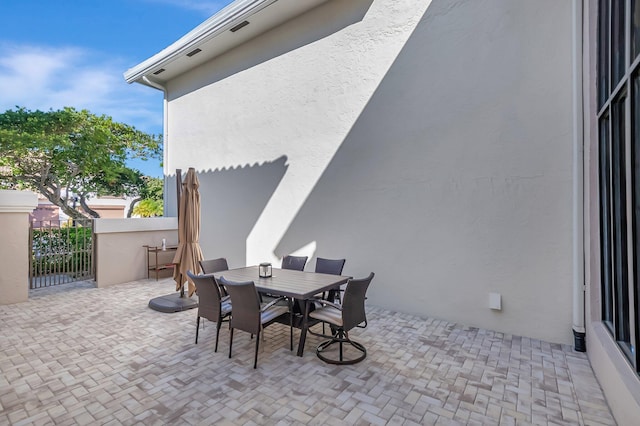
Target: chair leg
197, 328
341, 337
255, 361
218, 325
230, 340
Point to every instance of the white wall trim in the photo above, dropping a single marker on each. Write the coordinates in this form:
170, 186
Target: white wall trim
111, 226
17, 201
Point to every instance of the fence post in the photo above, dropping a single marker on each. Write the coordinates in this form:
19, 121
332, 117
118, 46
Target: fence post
15, 207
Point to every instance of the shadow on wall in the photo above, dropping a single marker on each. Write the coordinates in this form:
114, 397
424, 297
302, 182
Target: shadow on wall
273, 44
231, 202
442, 181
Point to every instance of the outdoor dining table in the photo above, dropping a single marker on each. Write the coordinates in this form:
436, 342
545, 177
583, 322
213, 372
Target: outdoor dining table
298, 285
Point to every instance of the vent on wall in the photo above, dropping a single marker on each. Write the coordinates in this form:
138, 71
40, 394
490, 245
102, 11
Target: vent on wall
194, 52
160, 71
240, 25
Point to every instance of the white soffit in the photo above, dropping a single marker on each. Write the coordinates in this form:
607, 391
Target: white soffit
213, 37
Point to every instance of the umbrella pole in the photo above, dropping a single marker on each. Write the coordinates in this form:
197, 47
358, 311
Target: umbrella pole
175, 302
178, 195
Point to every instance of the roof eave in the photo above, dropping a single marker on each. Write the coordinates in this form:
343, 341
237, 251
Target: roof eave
225, 19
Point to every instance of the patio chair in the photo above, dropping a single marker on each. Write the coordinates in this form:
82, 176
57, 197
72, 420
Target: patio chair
211, 305
248, 315
342, 319
295, 263
211, 266
333, 267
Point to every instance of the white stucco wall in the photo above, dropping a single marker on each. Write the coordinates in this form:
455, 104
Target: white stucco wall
121, 255
428, 141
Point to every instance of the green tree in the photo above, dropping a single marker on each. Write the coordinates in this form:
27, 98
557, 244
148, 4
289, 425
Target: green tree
68, 154
148, 208
152, 192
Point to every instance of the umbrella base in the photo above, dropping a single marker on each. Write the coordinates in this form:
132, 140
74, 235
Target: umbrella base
173, 303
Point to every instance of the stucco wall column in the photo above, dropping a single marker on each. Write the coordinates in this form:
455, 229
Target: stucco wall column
15, 207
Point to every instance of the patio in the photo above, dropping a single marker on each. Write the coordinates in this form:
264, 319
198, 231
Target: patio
81, 355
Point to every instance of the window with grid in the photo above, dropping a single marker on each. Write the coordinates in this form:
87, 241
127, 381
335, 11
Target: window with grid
618, 93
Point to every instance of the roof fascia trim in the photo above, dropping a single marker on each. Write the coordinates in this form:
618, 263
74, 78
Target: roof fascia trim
228, 17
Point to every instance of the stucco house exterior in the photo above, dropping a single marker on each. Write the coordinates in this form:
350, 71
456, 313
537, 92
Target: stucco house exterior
47, 214
478, 155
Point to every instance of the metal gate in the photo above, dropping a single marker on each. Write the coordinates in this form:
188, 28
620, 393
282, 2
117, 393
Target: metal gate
62, 251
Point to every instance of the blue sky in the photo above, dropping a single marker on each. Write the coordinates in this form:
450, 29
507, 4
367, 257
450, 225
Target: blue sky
57, 53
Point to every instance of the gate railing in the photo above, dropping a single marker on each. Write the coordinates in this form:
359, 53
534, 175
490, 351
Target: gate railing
62, 251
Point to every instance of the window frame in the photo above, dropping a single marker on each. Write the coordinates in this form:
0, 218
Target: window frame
618, 118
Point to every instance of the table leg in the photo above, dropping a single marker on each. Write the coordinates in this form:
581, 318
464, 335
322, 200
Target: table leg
303, 331
290, 322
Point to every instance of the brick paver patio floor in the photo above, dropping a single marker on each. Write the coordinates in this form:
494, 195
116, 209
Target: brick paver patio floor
82, 355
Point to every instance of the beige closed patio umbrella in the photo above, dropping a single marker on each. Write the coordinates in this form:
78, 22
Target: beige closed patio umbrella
188, 254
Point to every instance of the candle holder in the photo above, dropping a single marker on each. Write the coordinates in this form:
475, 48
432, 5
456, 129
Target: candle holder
265, 270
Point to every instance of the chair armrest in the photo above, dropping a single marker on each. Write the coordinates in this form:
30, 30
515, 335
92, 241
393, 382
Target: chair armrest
270, 304
327, 303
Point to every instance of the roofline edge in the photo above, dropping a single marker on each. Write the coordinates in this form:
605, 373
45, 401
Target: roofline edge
228, 17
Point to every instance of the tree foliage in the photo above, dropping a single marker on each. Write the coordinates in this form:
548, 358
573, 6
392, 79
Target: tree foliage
68, 153
148, 208
151, 194
153, 189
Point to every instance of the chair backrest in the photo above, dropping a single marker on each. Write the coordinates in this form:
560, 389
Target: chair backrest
294, 262
329, 266
208, 295
353, 302
214, 265
246, 305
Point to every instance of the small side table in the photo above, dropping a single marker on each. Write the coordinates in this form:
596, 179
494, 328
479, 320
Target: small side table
158, 265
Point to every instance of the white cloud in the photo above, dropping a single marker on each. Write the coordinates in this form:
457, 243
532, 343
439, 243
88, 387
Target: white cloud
39, 77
